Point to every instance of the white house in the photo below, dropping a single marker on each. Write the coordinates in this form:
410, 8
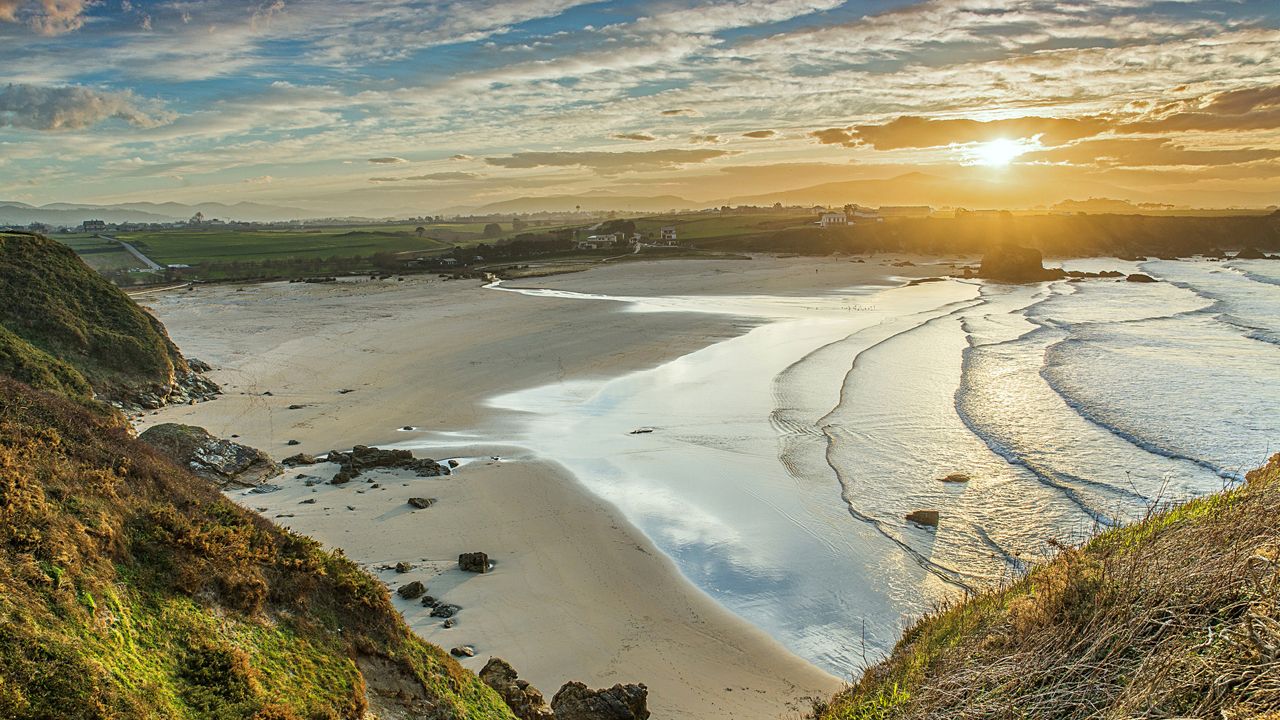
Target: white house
833, 218
669, 234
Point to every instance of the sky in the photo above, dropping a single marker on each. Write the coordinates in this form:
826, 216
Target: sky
399, 107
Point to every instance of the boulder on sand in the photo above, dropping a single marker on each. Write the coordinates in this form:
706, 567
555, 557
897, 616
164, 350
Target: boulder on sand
411, 591
299, 459
476, 562
955, 477
923, 517
524, 699
422, 503
1012, 264
576, 701
1140, 278
222, 461
403, 567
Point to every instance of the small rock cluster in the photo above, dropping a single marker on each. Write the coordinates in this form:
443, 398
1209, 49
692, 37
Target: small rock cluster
574, 701
363, 457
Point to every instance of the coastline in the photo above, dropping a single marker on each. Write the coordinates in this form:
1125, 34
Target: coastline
578, 593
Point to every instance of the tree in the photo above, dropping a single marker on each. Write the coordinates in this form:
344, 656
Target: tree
420, 230
517, 224
492, 230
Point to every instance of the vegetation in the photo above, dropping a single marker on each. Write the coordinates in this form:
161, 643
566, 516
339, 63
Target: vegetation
58, 307
129, 588
1174, 616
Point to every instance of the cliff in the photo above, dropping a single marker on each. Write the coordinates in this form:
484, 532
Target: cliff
1174, 616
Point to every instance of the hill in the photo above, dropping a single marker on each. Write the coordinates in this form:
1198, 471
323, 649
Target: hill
130, 588
1174, 616
585, 203
67, 329
71, 214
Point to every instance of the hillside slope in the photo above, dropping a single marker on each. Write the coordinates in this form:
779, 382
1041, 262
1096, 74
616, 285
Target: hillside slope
1174, 616
129, 588
101, 339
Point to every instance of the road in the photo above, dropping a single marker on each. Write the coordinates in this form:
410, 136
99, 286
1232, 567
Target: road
151, 264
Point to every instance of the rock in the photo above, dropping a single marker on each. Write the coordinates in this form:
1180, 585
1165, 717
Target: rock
263, 489
921, 281
403, 567
476, 562
444, 611
1250, 253
412, 591
1110, 274
955, 477
453, 463
576, 701
407, 428
362, 458
463, 651
449, 622
299, 459
924, 517
1013, 264
308, 501
198, 365
296, 407
422, 503
222, 461
524, 699
294, 442
641, 431
428, 601
1141, 278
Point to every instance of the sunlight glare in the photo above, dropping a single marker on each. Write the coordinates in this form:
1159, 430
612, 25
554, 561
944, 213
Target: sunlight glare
999, 152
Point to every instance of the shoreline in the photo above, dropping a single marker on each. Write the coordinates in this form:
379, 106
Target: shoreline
578, 593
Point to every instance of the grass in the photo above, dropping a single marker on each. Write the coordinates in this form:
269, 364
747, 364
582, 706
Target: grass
194, 247
129, 588
1174, 616
701, 226
51, 301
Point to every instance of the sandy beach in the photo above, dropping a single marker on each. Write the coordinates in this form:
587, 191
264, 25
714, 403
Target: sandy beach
577, 593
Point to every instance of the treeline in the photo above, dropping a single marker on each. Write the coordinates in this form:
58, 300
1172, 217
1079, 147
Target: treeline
1061, 235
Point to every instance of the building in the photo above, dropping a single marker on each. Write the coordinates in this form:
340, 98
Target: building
864, 215
669, 234
596, 242
93, 226
829, 219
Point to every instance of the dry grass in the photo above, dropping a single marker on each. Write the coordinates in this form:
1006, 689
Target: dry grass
1175, 616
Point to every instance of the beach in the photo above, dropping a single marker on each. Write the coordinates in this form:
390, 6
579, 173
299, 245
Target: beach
577, 593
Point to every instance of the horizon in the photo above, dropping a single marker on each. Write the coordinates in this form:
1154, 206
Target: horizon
408, 108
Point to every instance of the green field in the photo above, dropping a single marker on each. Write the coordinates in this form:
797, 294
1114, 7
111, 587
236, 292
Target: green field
194, 247
105, 256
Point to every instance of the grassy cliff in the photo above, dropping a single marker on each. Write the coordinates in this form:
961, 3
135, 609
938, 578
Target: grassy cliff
1174, 616
129, 588
60, 307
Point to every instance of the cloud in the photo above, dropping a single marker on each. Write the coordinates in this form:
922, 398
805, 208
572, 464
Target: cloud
918, 132
260, 180
679, 111
638, 137
1254, 108
73, 107
705, 139
387, 160
46, 17
429, 177
759, 134
1138, 152
609, 162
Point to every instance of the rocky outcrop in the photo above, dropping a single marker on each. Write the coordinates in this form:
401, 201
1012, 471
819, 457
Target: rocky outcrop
422, 503
1140, 278
955, 477
923, 517
363, 457
476, 562
222, 461
576, 701
299, 459
524, 699
1013, 264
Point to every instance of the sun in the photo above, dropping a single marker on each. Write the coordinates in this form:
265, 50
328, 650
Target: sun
998, 153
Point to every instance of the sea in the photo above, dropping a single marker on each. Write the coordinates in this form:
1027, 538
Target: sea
777, 467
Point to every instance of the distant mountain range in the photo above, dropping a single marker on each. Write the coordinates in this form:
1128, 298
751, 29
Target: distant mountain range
17, 213
584, 203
